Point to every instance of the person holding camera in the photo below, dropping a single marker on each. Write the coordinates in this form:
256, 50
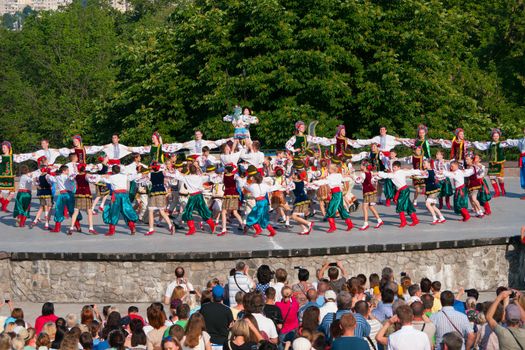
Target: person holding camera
512, 336
179, 281
239, 281
336, 283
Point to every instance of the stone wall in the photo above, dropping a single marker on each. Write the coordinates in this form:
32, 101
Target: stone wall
484, 268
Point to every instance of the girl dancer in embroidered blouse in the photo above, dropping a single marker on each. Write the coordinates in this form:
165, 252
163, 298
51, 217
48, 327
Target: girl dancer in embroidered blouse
7, 176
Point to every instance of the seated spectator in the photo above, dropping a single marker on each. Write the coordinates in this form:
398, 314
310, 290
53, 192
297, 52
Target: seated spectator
348, 339
264, 277
303, 275
384, 307
407, 337
181, 281
48, 315
420, 324
280, 281
513, 334
117, 338
311, 296
329, 306
239, 282
449, 320
217, 317
271, 310
335, 283
196, 337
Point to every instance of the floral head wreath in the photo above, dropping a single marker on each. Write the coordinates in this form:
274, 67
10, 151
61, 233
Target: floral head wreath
157, 135
8, 144
339, 129
495, 131
422, 127
299, 124
41, 160
79, 138
457, 131
155, 166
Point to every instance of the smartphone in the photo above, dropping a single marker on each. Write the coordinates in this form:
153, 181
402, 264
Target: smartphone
193, 292
297, 267
333, 264
513, 294
6, 301
92, 306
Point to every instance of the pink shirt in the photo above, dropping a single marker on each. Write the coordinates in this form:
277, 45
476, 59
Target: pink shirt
42, 320
289, 311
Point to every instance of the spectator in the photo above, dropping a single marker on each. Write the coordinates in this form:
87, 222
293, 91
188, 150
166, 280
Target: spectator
449, 320
196, 337
362, 308
311, 296
133, 313
265, 324
513, 334
112, 323
301, 344
176, 332
51, 330
349, 339
289, 308
183, 315
86, 341
436, 292
137, 338
322, 287
71, 321
420, 324
406, 338
264, 277
239, 307
48, 315
157, 320
384, 308
426, 285
428, 303
452, 341
239, 282
240, 336
344, 306
271, 310
303, 275
280, 280
310, 322
487, 339
117, 338
329, 306
374, 279
94, 329
181, 281
171, 343
87, 315
42, 341
335, 283
218, 317
414, 294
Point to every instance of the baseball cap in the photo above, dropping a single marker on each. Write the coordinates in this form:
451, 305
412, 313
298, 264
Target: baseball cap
217, 292
301, 344
513, 313
330, 295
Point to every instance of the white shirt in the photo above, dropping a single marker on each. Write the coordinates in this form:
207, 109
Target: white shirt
457, 178
266, 325
399, 178
178, 282
25, 183
62, 181
517, 143
232, 158
408, 338
278, 288
116, 151
258, 190
254, 158
386, 143
50, 153
118, 182
194, 183
195, 146
238, 283
328, 308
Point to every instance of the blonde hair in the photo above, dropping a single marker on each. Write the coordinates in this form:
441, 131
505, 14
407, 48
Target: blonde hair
240, 329
71, 320
178, 293
17, 343
50, 329
471, 303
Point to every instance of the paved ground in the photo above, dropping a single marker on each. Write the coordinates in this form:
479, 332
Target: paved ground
506, 220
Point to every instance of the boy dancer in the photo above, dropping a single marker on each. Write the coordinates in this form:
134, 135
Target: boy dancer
457, 177
23, 197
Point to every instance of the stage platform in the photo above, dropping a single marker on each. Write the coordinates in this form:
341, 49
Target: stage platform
505, 222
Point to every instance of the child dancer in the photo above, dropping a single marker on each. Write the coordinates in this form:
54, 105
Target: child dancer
457, 178
446, 190
64, 183
7, 177
23, 197
432, 189
335, 181
83, 201
230, 203
388, 186
44, 195
483, 195
369, 196
323, 192
259, 217
474, 185
417, 164
402, 196
102, 188
278, 202
301, 203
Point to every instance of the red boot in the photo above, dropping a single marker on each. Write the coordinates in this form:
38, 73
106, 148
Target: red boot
272, 230
448, 202
496, 189
440, 203
465, 214
258, 229
331, 222
111, 230
57, 227
77, 226
387, 202
22, 221
502, 186
414, 218
403, 219
211, 224
349, 224
191, 227
486, 206
4, 203
132, 227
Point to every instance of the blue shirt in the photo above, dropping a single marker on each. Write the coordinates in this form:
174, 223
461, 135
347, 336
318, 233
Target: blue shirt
103, 345
303, 309
459, 306
362, 328
382, 312
350, 343
320, 301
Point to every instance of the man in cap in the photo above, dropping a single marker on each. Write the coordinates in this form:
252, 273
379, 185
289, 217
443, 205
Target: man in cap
512, 336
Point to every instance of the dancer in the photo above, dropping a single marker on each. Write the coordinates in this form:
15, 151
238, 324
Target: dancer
421, 140
432, 190
496, 153
446, 190
254, 156
418, 182
156, 152
241, 121
483, 196
103, 190
195, 185
7, 176
474, 184
335, 181
115, 151
23, 197
520, 143
299, 142
259, 217
79, 149
278, 201
119, 204
83, 201
402, 196
301, 203
51, 154
388, 186
323, 191
195, 146
341, 141
457, 178
65, 199
385, 142
377, 160
44, 194
230, 202
369, 196
458, 147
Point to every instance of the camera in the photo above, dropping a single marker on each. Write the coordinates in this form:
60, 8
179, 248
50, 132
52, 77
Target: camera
298, 267
403, 274
513, 294
333, 264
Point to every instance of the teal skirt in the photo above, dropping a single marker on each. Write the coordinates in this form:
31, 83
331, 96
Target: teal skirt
389, 189
446, 188
22, 204
259, 214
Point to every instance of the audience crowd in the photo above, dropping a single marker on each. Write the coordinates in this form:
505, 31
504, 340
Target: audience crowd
263, 311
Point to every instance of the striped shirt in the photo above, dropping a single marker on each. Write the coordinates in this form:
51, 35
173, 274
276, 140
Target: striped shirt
362, 328
444, 324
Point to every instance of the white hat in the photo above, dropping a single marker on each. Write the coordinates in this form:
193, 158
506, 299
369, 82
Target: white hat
301, 344
330, 295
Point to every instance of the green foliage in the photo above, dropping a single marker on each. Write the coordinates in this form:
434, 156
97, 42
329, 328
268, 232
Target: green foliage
175, 66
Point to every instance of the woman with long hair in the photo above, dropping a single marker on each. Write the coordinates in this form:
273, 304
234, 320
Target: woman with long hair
157, 320
196, 337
